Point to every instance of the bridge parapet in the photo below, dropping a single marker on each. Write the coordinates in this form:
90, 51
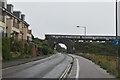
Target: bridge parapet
82, 37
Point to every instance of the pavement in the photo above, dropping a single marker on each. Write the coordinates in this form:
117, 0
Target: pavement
51, 67
84, 68
20, 61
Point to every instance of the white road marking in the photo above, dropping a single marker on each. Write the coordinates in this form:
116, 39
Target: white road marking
78, 68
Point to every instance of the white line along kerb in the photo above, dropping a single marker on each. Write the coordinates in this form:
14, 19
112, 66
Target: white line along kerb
78, 68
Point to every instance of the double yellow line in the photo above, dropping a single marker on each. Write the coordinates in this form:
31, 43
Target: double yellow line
67, 70
64, 75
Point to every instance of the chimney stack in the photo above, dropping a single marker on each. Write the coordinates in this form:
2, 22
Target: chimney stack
17, 14
3, 3
10, 8
23, 17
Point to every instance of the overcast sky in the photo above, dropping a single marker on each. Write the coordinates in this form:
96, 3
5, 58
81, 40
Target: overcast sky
63, 17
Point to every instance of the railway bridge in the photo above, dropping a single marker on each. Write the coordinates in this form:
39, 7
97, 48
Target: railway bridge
69, 40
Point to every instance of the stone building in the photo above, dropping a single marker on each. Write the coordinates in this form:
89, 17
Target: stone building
13, 22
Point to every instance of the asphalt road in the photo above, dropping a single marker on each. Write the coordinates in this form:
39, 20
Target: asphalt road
84, 68
51, 67
54, 67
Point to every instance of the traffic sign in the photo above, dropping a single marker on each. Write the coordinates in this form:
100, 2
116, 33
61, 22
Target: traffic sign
117, 41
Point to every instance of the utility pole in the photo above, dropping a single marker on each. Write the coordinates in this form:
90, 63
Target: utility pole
117, 50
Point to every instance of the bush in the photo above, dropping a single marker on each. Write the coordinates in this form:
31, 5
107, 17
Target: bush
45, 50
6, 49
16, 45
30, 47
13, 48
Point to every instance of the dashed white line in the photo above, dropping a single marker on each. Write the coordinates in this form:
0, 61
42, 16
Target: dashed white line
78, 68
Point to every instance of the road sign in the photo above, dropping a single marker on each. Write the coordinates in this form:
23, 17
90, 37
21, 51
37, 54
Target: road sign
117, 41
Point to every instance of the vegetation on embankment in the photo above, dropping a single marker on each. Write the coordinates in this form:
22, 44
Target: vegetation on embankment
107, 48
103, 54
16, 49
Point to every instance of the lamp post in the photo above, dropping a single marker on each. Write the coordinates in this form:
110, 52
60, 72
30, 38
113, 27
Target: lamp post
117, 50
84, 29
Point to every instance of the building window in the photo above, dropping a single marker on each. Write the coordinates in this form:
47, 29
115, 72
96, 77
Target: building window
16, 23
6, 35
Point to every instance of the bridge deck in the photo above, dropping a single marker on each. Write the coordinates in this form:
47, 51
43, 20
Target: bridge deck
82, 37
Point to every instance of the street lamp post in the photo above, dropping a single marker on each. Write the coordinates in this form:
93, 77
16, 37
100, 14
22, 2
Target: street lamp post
117, 50
84, 29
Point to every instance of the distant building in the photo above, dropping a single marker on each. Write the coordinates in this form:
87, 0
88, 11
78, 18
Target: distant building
13, 23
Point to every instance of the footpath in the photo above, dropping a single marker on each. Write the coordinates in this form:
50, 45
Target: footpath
21, 61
